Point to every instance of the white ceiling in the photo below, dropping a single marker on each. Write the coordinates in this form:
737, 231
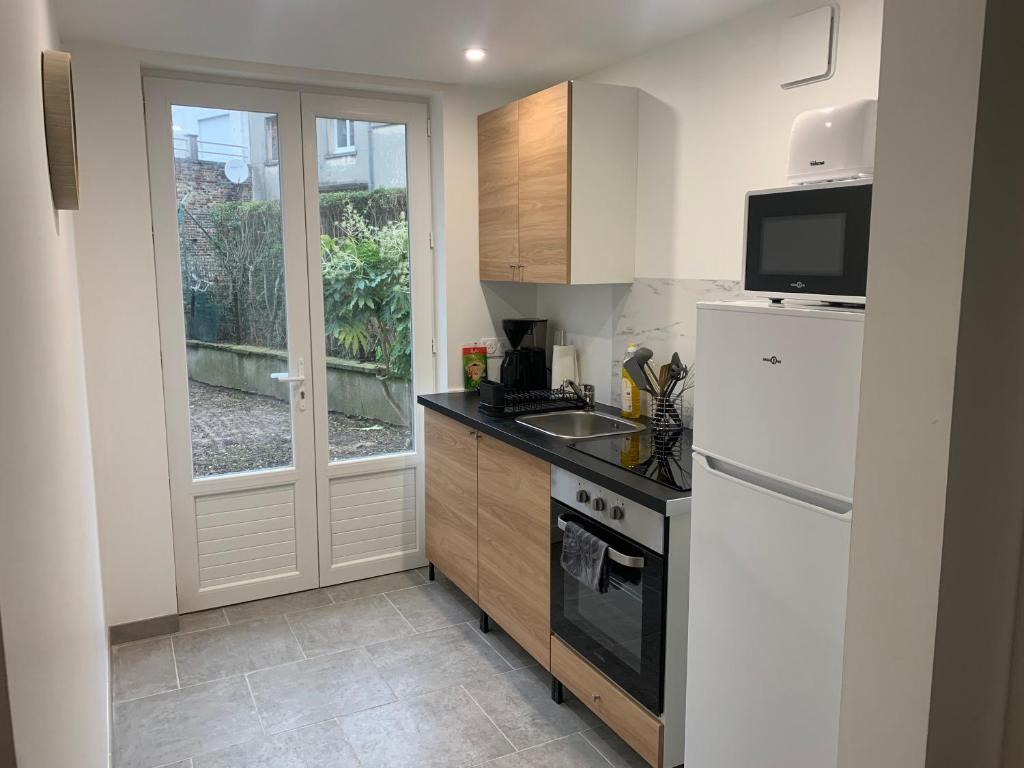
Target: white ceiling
528, 42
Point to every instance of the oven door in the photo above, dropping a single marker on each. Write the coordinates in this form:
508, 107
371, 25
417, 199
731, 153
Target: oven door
809, 241
620, 631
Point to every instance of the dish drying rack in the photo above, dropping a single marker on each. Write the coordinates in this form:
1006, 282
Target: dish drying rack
495, 400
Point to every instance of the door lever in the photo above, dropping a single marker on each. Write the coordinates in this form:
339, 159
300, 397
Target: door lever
299, 378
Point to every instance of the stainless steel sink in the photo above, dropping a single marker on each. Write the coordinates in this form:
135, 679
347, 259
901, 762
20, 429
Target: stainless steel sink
580, 425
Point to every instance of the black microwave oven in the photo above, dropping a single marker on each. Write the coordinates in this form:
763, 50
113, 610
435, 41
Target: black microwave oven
809, 242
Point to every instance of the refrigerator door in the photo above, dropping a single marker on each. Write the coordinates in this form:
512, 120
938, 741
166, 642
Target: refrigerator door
778, 390
768, 577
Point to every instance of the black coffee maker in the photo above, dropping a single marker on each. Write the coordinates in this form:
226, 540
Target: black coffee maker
525, 365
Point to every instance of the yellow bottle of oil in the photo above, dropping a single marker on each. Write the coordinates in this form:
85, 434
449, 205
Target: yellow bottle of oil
631, 410
630, 391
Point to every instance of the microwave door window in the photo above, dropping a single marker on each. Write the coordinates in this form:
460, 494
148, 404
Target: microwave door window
805, 245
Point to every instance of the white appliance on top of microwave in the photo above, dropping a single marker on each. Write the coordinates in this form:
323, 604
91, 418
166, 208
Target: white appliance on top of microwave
809, 242
775, 433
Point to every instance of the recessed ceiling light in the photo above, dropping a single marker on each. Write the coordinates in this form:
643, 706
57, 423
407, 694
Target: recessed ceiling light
475, 54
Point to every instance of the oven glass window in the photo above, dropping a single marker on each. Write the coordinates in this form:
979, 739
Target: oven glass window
612, 620
810, 245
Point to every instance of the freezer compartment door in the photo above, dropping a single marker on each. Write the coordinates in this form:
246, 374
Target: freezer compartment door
778, 391
768, 576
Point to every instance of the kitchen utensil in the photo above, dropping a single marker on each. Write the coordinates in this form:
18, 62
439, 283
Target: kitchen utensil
635, 368
663, 379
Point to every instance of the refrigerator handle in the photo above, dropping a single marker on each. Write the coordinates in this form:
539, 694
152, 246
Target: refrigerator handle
818, 502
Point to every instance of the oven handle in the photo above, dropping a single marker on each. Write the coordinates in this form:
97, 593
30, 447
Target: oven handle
613, 554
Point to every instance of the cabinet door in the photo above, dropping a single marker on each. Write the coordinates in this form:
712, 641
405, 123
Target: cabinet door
515, 544
544, 186
498, 171
451, 515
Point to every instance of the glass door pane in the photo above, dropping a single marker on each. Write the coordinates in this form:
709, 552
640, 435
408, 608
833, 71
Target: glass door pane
228, 195
364, 260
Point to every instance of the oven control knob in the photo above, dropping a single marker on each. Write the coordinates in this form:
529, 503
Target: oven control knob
599, 504
618, 512
582, 496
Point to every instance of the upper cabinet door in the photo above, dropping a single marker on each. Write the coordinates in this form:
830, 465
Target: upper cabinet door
544, 186
498, 164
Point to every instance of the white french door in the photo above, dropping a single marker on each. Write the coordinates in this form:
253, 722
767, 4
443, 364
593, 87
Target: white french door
293, 443
369, 493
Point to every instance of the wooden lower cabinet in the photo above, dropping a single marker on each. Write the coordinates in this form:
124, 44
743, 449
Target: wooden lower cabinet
514, 544
450, 469
620, 712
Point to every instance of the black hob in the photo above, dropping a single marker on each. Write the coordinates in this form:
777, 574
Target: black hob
664, 457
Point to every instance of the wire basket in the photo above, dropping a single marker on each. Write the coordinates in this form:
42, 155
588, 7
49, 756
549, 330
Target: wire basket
666, 413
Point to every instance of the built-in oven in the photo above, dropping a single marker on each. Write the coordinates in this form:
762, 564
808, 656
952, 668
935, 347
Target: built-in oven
809, 241
620, 631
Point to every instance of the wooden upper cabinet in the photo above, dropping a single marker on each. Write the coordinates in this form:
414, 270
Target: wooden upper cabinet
450, 470
514, 544
544, 186
558, 186
498, 164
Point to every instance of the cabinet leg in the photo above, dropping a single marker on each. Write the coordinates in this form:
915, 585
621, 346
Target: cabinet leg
430, 571
485, 622
557, 691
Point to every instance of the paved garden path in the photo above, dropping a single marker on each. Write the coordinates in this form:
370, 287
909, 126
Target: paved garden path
235, 431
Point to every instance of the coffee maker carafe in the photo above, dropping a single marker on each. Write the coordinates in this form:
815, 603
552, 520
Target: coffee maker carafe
525, 365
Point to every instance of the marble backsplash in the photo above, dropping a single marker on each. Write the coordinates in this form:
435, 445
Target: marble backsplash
661, 314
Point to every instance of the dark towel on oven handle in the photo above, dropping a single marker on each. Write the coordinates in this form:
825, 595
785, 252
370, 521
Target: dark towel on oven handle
585, 557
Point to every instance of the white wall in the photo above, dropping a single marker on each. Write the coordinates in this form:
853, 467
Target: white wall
118, 286
902, 502
714, 124
122, 344
54, 637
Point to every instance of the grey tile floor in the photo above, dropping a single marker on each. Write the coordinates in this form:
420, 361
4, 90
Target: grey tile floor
382, 673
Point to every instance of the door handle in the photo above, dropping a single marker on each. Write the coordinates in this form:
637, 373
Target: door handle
286, 377
298, 378
613, 554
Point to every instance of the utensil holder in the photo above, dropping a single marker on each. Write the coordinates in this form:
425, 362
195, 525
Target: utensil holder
665, 413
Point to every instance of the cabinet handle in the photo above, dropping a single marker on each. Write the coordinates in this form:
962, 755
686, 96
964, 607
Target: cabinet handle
597, 698
514, 267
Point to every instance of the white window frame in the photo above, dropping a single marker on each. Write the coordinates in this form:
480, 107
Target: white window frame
343, 149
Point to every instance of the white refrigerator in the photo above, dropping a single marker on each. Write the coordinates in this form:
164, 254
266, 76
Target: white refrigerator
775, 427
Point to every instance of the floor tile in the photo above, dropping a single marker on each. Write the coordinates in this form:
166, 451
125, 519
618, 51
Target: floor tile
190, 622
615, 750
506, 647
444, 728
520, 705
315, 690
234, 649
143, 668
275, 606
431, 606
569, 752
168, 727
375, 586
347, 625
433, 660
316, 746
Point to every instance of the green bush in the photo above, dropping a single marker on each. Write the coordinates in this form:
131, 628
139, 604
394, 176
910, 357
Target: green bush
367, 305
365, 270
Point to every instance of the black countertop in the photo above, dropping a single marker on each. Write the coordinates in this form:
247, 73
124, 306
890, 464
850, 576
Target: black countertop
463, 407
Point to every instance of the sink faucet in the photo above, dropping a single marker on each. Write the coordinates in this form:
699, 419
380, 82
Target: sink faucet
586, 394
